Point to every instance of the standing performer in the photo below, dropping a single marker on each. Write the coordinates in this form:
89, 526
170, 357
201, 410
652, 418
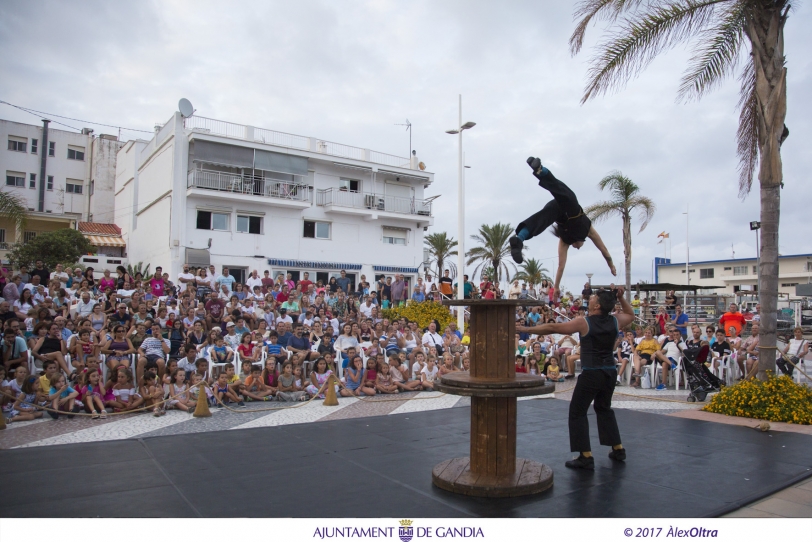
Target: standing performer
598, 333
572, 226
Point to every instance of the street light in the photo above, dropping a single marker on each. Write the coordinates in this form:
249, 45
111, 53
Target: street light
461, 219
755, 226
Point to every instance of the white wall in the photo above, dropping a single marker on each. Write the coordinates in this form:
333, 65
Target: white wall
103, 179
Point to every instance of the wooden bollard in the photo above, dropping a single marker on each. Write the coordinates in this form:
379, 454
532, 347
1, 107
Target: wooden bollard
202, 406
330, 398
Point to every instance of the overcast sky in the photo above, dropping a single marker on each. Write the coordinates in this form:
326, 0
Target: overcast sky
348, 71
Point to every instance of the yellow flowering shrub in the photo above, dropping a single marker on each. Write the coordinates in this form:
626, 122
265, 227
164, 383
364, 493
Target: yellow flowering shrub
422, 313
779, 399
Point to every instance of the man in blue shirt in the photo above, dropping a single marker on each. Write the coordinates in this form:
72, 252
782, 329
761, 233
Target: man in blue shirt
344, 282
14, 349
467, 287
284, 334
681, 321
226, 279
300, 346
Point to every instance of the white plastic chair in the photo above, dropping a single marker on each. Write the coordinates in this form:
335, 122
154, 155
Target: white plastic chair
724, 368
234, 361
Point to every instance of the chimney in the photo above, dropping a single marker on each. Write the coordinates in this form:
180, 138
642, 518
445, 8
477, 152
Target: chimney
42, 163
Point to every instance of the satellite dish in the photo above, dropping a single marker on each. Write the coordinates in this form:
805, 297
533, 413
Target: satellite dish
422, 166
185, 108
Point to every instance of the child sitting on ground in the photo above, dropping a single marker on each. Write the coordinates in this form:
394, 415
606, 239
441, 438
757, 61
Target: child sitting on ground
428, 374
384, 382
92, 392
153, 393
24, 407
254, 388
223, 392
61, 395
371, 374
178, 388
287, 385
554, 371
520, 368
399, 373
126, 395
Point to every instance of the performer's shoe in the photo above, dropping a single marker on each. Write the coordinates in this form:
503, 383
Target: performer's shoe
618, 455
581, 462
516, 246
538, 170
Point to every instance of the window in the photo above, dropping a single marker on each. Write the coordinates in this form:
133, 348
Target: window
207, 220
92, 187
2, 235
29, 236
52, 148
755, 270
15, 179
728, 268
17, 144
349, 185
788, 284
249, 224
706, 273
50, 185
32, 180
34, 143
394, 236
73, 188
692, 270
316, 230
809, 267
740, 270
76, 153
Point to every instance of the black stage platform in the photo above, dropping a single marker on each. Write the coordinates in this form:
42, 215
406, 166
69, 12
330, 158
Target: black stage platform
381, 467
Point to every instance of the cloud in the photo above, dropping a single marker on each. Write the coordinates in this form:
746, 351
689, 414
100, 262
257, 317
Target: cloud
347, 72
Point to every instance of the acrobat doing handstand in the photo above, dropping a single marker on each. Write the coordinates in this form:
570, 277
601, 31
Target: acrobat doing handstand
572, 226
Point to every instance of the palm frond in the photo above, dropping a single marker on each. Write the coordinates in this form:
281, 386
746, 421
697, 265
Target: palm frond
719, 54
645, 207
13, 207
631, 48
596, 9
599, 212
747, 134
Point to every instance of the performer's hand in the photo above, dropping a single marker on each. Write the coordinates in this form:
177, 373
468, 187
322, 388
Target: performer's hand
522, 329
612, 269
619, 292
557, 294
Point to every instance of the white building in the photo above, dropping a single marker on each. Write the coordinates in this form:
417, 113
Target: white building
204, 190
72, 181
735, 275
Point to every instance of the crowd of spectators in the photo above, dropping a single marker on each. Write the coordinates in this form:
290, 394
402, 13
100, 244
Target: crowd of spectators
77, 342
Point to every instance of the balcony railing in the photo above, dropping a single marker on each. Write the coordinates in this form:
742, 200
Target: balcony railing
6, 246
292, 141
378, 202
252, 186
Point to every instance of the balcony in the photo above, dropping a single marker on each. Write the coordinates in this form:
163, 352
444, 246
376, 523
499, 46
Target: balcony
203, 125
345, 201
248, 188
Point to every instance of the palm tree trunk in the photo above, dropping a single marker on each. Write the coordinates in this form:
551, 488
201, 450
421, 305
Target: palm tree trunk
627, 252
766, 33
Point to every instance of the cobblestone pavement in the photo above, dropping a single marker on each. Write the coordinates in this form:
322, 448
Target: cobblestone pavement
45, 432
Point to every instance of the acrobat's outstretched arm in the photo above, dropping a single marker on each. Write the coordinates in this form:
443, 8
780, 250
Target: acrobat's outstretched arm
562, 263
593, 234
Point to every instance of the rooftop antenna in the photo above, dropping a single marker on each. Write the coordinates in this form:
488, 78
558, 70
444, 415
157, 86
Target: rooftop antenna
185, 108
408, 126
733, 251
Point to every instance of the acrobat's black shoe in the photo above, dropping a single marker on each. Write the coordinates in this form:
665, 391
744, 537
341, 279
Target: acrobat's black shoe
516, 246
581, 462
618, 455
534, 163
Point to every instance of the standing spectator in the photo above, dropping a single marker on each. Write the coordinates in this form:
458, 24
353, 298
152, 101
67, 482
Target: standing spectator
41, 271
305, 283
467, 287
25, 276
398, 290
185, 277
586, 293
681, 321
226, 280
253, 280
445, 284
156, 283
267, 283
733, 318
343, 282
515, 290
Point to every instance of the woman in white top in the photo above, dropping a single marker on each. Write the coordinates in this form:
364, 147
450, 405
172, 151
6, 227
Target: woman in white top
345, 341
515, 290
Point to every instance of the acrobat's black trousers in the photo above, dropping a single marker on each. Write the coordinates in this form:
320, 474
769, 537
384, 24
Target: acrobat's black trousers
597, 385
564, 204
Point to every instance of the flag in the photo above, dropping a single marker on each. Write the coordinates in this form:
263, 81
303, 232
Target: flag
663, 235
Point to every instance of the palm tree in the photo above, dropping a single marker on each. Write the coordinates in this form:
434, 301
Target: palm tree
723, 29
441, 248
495, 250
626, 200
13, 207
532, 272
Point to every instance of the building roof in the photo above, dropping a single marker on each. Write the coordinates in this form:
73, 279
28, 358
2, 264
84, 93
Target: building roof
97, 228
664, 262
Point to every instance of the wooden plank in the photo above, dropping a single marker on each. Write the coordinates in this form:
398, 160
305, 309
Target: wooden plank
479, 335
511, 424
479, 456
492, 433
492, 342
511, 333
503, 466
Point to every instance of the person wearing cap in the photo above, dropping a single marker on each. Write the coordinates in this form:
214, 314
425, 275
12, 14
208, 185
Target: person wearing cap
283, 317
231, 337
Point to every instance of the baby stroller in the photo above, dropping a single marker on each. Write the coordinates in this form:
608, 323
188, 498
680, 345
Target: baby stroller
701, 381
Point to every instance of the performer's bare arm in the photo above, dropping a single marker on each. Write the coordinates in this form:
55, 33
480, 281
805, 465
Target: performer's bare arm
576, 325
593, 235
562, 263
626, 314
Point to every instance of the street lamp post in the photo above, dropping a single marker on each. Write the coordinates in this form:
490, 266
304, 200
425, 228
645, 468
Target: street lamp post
461, 219
755, 226
589, 278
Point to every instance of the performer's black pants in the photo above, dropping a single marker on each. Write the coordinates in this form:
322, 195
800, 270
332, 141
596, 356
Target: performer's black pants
564, 205
598, 385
